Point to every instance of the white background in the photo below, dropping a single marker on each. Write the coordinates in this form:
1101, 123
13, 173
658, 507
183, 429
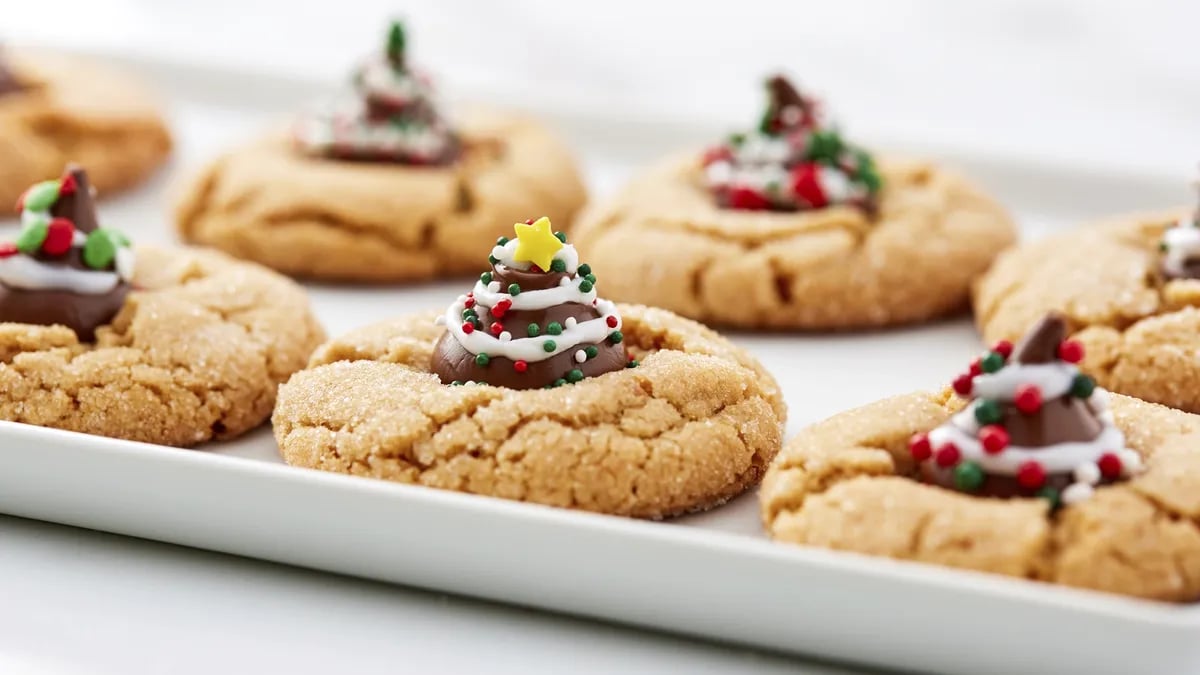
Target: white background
1105, 84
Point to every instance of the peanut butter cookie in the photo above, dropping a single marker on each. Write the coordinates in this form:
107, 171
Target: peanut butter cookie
790, 226
381, 188
1128, 291
532, 388
56, 108
1041, 475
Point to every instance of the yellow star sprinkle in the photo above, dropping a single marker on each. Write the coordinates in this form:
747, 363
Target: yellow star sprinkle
536, 243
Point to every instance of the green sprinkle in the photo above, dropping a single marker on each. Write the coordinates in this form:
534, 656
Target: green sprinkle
469, 313
500, 241
1162, 246
493, 259
42, 196
558, 265
514, 289
532, 330
562, 236
968, 476
585, 286
585, 269
32, 236
591, 278
988, 411
554, 328
737, 139
591, 351
633, 363
575, 375
486, 277
482, 359
99, 250
867, 172
1082, 386
559, 382
549, 345
825, 144
992, 362
616, 337
456, 383
1051, 495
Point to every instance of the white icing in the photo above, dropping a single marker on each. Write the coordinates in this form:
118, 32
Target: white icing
22, 271
1061, 458
1076, 492
537, 299
1088, 473
531, 349
1182, 242
1052, 379
505, 254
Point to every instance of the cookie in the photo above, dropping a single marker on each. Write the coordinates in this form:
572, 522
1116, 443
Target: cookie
792, 227
1139, 323
1040, 476
70, 109
195, 353
532, 388
380, 189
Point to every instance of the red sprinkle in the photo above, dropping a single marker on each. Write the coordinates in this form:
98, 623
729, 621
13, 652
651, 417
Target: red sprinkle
977, 366
747, 199
919, 447
8, 249
520, 366
947, 455
1004, 348
500, 308
1028, 399
59, 236
1070, 351
67, 185
1110, 465
1031, 475
611, 321
994, 439
470, 302
496, 328
468, 327
529, 222
963, 384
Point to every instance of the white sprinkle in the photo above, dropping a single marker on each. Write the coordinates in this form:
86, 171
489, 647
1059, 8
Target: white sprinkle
1131, 462
494, 286
1087, 473
1076, 492
570, 322
505, 336
581, 356
564, 281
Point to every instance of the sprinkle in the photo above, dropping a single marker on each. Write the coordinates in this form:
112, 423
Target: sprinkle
1003, 348
1031, 475
919, 447
562, 236
591, 351
482, 359
585, 286
559, 382
469, 314
520, 366
501, 308
29, 241
469, 303
558, 265
1109, 465
994, 439
1051, 495
616, 337
456, 383
948, 455
1082, 386
500, 241
968, 476
493, 259
1076, 492
992, 362
554, 328
611, 320
468, 327
1088, 473
585, 269
486, 277
493, 286
570, 322
581, 356
514, 289
1028, 399
496, 328
549, 346
633, 363
988, 412
506, 336
1070, 351
575, 375
963, 384
532, 330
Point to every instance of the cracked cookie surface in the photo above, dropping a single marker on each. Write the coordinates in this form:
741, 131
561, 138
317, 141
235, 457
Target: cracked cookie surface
1139, 331
374, 222
195, 354
72, 110
694, 425
846, 483
663, 242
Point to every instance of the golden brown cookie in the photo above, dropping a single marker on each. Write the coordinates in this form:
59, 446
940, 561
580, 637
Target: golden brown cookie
378, 222
72, 110
694, 425
1141, 331
195, 354
664, 242
847, 483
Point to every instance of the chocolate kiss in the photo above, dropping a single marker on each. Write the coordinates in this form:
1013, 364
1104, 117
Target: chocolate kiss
79, 206
1040, 344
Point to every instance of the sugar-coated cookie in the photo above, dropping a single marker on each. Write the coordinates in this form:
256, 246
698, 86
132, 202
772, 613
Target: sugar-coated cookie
533, 388
1129, 291
382, 187
1039, 474
165, 346
790, 226
56, 109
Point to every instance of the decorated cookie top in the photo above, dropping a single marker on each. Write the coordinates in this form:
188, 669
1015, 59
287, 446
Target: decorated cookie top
1180, 248
63, 267
534, 320
392, 117
793, 161
1035, 426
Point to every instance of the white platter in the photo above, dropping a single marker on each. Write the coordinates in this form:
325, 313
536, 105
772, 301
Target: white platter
712, 575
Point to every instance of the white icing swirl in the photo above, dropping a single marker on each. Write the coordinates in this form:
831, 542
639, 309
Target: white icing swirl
1180, 243
25, 272
1052, 379
506, 254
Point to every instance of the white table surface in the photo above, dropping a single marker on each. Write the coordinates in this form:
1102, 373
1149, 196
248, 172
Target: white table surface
1077, 81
